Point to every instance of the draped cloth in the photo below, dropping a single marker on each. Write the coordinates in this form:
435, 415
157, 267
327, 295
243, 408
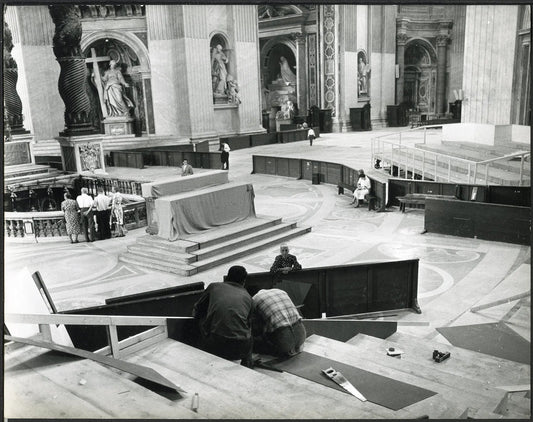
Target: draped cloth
194, 212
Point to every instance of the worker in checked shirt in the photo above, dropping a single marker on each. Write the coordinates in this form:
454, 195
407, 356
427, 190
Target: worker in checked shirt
285, 263
276, 324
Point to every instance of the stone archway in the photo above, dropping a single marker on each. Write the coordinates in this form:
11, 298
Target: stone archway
133, 61
420, 73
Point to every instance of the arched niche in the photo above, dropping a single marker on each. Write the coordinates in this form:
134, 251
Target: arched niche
420, 87
363, 74
223, 59
274, 90
133, 60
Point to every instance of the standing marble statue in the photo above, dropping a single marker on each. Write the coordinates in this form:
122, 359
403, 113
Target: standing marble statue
219, 73
116, 100
286, 73
362, 73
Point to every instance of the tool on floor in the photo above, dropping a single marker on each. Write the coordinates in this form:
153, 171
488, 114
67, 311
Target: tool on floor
260, 364
195, 402
392, 351
440, 356
343, 382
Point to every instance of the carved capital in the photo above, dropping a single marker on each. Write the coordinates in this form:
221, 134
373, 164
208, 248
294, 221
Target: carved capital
442, 40
299, 37
401, 39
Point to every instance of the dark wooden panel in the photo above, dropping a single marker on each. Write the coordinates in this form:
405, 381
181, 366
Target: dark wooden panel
307, 169
504, 223
510, 195
295, 168
347, 291
259, 164
270, 165
343, 330
389, 284
333, 173
95, 337
282, 168
263, 139
238, 142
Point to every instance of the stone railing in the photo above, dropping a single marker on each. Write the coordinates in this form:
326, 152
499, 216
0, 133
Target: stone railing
28, 227
92, 183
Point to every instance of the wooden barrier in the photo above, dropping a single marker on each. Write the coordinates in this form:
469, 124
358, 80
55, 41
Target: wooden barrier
502, 223
494, 194
350, 289
165, 156
331, 173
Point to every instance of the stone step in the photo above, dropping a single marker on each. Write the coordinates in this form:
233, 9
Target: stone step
227, 232
249, 248
218, 248
477, 366
25, 169
448, 388
162, 254
156, 264
423, 365
158, 243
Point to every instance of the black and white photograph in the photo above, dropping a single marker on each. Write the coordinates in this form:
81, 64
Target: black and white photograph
267, 210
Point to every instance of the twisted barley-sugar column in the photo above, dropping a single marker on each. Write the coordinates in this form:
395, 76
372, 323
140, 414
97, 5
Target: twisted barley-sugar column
73, 75
12, 101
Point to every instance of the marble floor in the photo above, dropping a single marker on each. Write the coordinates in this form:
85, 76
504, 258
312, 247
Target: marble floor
455, 273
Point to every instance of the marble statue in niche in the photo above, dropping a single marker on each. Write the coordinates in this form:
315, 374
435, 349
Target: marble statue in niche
286, 72
116, 100
219, 73
363, 70
232, 90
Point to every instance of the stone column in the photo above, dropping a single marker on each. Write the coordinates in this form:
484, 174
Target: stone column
401, 40
71, 84
301, 70
12, 102
442, 41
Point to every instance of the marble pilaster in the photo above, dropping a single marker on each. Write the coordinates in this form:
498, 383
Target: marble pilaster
442, 42
401, 40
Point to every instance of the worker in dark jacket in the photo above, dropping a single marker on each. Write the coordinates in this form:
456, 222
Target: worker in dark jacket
224, 313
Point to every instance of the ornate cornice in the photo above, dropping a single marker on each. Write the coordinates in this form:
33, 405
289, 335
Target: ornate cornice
442, 40
401, 39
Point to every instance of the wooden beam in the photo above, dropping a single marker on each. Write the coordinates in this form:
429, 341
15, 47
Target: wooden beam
514, 388
398, 322
136, 339
500, 301
131, 368
113, 340
75, 319
46, 332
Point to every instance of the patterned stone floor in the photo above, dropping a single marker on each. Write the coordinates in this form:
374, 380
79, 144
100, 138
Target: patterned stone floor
455, 273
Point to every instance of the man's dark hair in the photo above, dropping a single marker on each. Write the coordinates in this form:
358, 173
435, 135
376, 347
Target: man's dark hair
237, 274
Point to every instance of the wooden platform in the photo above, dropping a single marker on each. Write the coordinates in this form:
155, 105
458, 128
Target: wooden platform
216, 246
44, 384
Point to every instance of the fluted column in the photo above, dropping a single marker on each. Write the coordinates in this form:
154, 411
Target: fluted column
72, 78
301, 70
401, 40
442, 42
12, 102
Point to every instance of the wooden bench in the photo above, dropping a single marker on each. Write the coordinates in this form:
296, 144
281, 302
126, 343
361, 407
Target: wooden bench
370, 198
415, 199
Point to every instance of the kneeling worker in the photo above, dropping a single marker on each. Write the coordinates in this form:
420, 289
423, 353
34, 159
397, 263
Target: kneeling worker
224, 312
277, 325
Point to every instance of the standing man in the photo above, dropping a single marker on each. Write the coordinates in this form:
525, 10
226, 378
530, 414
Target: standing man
277, 325
85, 203
101, 203
186, 168
224, 157
285, 263
224, 313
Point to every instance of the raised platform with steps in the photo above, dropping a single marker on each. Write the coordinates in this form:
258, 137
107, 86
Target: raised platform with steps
29, 173
202, 251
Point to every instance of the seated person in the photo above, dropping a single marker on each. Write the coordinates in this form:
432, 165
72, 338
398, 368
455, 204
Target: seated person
224, 313
285, 262
276, 324
363, 188
186, 168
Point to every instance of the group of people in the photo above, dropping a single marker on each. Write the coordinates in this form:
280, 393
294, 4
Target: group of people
233, 324
80, 215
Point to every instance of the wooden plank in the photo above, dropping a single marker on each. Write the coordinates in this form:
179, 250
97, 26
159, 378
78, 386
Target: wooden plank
500, 301
113, 341
47, 385
229, 390
514, 388
74, 319
137, 370
138, 338
402, 371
